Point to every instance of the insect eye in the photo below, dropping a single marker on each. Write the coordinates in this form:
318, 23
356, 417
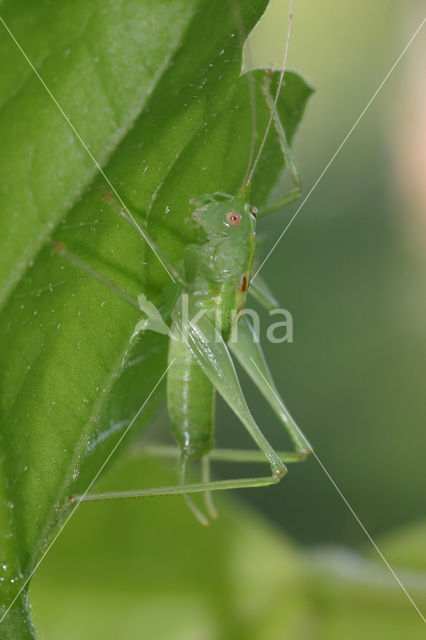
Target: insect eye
234, 218
254, 211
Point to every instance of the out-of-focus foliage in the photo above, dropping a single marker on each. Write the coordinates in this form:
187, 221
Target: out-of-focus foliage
122, 577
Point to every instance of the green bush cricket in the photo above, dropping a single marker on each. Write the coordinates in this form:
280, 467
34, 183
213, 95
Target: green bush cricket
203, 317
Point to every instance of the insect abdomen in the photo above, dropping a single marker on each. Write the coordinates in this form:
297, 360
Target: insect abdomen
190, 402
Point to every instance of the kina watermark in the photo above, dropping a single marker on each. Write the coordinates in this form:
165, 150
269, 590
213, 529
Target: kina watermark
189, 317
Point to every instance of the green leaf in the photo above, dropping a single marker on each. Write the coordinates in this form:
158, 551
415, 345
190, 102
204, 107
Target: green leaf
154, 90
101, 61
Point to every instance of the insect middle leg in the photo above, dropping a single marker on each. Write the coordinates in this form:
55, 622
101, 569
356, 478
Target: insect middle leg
208, 501
252, 456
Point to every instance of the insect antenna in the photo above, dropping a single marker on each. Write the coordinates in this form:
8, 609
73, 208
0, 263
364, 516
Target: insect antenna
252, 93
250, 173
250, 80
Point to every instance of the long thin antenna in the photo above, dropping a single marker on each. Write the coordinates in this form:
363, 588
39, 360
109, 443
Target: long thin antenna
250, 82
252, 94
277, 95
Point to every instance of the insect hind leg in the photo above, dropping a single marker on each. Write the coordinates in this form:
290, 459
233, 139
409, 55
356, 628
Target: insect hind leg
205, 487
180, 489
245, 345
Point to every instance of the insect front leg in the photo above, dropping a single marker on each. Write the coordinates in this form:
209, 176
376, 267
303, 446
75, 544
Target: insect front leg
290, 160
152, 319
245, 345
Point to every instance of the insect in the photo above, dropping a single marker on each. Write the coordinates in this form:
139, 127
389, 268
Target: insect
202, 316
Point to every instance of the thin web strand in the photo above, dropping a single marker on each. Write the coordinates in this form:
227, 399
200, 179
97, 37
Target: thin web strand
85, 147
347, 504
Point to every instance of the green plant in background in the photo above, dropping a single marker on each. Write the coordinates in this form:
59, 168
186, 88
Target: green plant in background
128, 570
168, 118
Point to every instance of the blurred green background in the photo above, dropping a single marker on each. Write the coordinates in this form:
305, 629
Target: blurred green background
351, 271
